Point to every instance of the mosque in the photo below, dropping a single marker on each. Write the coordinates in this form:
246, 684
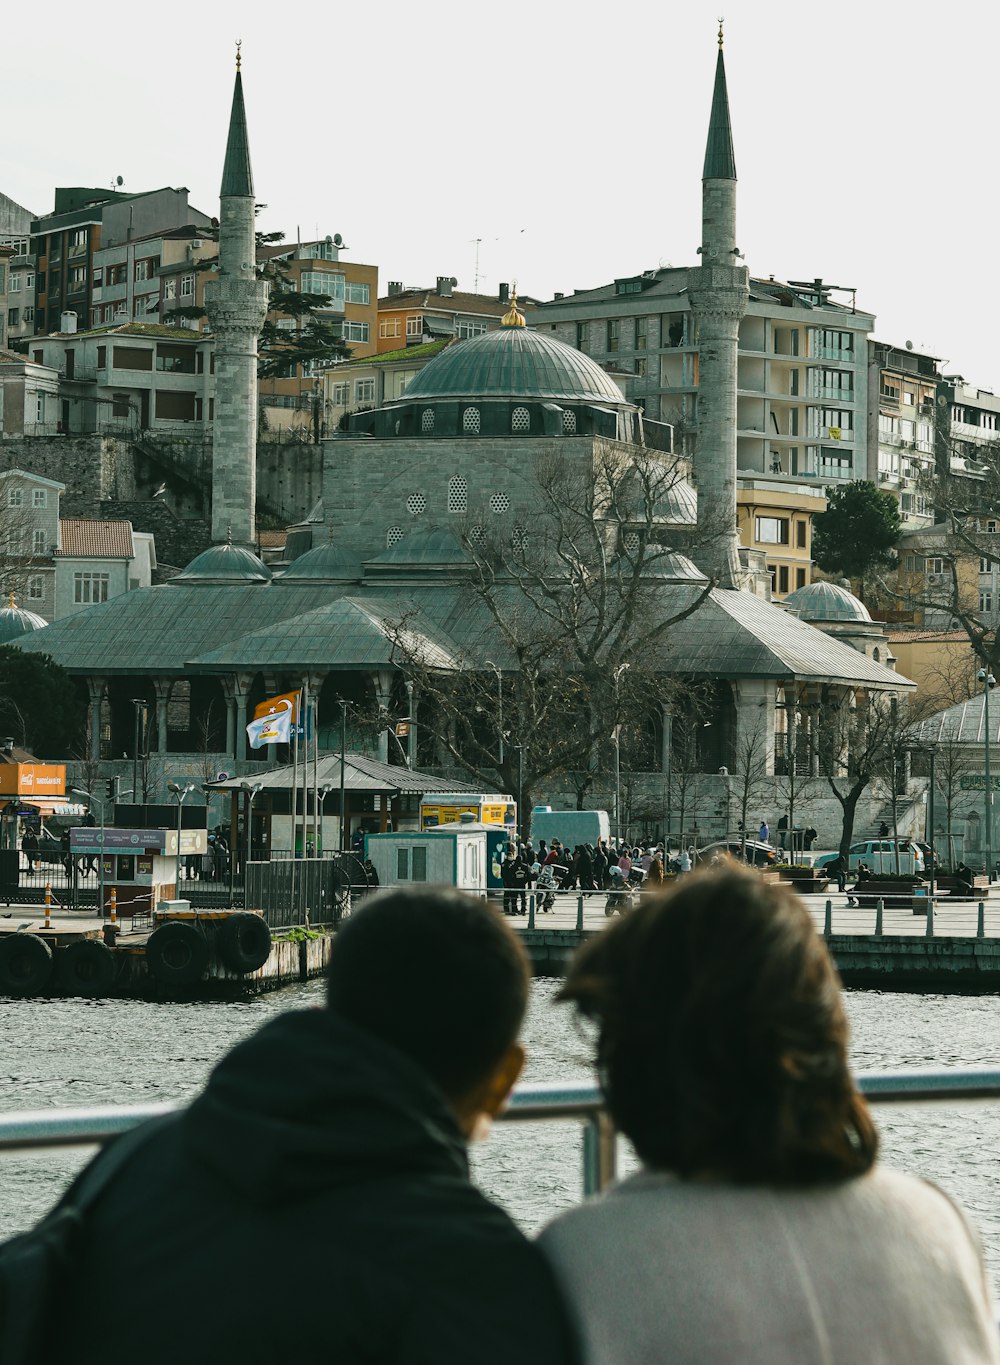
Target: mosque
456, 456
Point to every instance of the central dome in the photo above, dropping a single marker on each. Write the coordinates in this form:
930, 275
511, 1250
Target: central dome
514, 362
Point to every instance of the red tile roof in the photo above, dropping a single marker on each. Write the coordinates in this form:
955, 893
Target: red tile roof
92, 539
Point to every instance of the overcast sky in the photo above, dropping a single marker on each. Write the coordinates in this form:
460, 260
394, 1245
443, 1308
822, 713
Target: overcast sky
569, 139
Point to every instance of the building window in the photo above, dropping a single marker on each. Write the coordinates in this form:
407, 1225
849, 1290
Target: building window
415, 326
772, 530
935, 565
357, 293
364, 390
800, 578
640, 366
39, 497
800, 534
641, 333
519, 540
471, 422
169, 288
341, 395
416, 503
36, 588
631, 543
469, 327
427, 420
15, 497
187, 286
569, 422
388, 327
985, 565
13, 317
90, 587
985, 601
614, 331
458, 493
520, 420
499, 503
393, 536
582, 337
356, 331
783, 578
15, 282
38, 542
326, 282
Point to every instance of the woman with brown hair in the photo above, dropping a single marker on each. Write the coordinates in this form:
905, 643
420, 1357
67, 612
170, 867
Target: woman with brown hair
760, 1229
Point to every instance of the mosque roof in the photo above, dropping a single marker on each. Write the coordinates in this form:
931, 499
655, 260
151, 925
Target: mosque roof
224, 563
823, 601
964, 723
424, 548
514, 362
15, 622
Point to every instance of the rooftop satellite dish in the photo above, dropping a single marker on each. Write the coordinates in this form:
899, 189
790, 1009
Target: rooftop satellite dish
909, 345
453, 282
337, 239
328, 240
119, 180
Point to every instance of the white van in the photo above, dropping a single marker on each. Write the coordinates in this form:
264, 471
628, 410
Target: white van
880, 855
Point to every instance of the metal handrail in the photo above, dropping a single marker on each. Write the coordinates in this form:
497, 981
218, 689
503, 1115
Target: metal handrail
40, 1130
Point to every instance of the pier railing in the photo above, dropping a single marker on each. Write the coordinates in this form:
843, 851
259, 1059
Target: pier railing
42, 1130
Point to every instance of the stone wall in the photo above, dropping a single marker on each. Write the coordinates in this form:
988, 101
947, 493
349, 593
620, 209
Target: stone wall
91, 467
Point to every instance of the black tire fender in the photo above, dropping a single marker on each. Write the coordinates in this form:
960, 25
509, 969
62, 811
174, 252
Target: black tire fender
243, 942
86, 967
177, 954
25, 964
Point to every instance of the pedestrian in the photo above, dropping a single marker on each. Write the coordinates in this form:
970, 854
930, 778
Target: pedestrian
508, 875
839, 869
684, 861
625, 863
220, 854
601, 866
883, 830
29, 847
652, 883
764, 833
335, 1136
585, 868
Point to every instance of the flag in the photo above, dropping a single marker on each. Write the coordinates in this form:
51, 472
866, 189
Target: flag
290, 701
275, 725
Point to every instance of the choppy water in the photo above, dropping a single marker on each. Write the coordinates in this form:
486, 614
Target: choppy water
76, 1052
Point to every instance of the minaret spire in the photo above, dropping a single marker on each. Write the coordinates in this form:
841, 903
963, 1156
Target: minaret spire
718, 290
236, 301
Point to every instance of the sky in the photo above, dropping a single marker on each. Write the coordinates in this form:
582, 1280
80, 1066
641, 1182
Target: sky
567, 140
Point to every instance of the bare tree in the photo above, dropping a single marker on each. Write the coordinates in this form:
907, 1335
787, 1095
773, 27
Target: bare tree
864, 735
749, 773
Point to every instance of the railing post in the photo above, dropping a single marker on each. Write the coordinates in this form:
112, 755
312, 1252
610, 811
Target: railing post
600, 1154
531, 910
879, 909
114, 905
579, 914
981, 921
828, 920
48, 905
930, 917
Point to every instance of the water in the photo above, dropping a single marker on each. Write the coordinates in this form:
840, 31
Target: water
78, 1052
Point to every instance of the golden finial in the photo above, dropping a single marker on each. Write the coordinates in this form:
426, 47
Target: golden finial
239, 59
721, 22
12, 601
229, 535
513, 318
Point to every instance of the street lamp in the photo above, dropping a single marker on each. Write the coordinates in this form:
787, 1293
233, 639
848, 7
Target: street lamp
394, 731
986, 678
521, 828
179, 794
616, 740
252, 790
82, 791
496, 670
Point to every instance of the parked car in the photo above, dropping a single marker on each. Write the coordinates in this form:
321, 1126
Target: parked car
880, 855
760, 855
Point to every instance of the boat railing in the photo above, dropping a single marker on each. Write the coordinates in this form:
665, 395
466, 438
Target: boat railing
42, 1130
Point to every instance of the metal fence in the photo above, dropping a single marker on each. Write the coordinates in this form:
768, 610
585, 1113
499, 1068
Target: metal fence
39, 1130
296, 891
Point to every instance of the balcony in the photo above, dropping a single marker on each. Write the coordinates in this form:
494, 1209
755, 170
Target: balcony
833, 395
833, 353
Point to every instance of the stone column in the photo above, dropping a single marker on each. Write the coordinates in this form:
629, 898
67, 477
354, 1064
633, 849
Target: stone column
162, 688
95, 693
230, 724
755, 699
382, 682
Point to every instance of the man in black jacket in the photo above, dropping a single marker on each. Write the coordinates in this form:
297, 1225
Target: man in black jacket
314, 1202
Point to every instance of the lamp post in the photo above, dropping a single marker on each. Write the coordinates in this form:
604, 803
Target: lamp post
343, 760
394, 730
81, 791
520, 791
988, 681
179, 794
616, 740
252, 790
496, 670
140, 704
324, 792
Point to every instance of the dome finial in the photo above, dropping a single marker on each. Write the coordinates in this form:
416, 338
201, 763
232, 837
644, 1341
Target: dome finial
721, 22
239, 44
513, 318
229, 535
12, 601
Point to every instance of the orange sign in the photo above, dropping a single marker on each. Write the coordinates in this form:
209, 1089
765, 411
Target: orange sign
33, 779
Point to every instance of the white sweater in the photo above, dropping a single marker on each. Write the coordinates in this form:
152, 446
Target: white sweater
883, 1268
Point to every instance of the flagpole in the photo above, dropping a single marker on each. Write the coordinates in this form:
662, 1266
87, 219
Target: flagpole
317, 831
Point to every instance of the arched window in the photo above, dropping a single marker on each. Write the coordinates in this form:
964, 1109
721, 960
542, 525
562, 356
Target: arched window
471, 423
877, 654
427, 420
519, 540
520, 420
631, 543
415, 504
458, 494
569, 423
393, 536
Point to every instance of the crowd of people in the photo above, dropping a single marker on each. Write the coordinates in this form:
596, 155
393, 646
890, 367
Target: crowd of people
760, 1227
553, 866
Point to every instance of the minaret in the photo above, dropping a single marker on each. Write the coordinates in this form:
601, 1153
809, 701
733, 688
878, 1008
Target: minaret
236, 302
718, 290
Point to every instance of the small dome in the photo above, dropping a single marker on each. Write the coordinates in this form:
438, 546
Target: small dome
826, 602
225, 563
671, 566
15, 622
679, 505
514, 362
325, 564
423, 548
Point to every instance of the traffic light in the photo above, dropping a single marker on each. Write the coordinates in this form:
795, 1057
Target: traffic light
111, 788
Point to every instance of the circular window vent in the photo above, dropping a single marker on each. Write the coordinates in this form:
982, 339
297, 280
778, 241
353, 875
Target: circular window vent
415, 504
499, 502
393, 536
569, 423
427, 420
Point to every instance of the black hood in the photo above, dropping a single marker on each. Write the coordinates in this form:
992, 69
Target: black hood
310, 1102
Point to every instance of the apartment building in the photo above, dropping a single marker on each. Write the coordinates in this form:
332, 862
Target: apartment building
373, 381
903, 388
98, 560
134, 279
417, 317
29, 397
774, 517
83, 222
29, 537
